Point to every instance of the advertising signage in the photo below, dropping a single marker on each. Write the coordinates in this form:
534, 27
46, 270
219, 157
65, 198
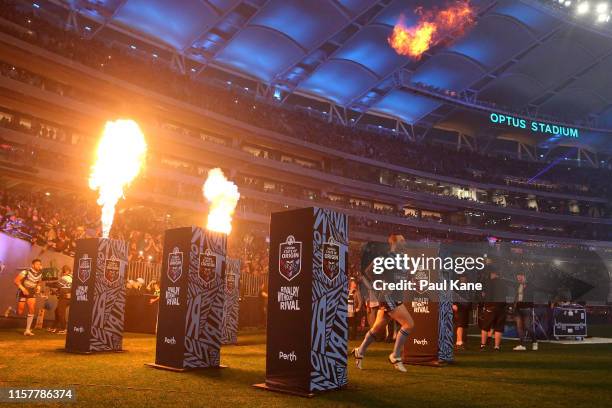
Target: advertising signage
534, 126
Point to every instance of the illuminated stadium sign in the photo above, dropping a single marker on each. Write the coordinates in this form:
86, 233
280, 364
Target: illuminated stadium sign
536, 127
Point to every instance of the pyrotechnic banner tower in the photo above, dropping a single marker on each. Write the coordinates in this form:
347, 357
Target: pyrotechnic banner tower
190, 318
97, 305
307, 328
432, 338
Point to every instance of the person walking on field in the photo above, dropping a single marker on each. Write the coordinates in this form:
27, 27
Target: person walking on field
391, 307
28, 284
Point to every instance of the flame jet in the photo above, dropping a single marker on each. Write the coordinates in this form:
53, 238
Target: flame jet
433, 26
223, 197
120, 156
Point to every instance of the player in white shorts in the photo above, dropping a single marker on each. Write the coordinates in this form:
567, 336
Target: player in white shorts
28, 282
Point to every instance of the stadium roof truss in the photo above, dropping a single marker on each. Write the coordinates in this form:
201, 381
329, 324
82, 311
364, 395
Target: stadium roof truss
521, 54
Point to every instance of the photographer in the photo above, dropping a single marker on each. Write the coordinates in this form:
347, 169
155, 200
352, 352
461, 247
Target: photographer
523, 309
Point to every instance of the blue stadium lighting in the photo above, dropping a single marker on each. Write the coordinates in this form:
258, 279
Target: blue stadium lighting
133, 46
277, 94
87, 28
551, 165
36, 5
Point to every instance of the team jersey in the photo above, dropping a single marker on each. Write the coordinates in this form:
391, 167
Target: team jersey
64, 284
31, 278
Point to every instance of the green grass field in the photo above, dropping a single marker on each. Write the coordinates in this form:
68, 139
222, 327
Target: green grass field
556, 376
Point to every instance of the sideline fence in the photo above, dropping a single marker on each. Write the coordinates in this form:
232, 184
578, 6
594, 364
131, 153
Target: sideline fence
250, 284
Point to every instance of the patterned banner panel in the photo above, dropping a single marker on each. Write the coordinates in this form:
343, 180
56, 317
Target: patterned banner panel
329, 329
446, 335
191, 302
97, 308
307, 330
205, 292
109, 296
423, 305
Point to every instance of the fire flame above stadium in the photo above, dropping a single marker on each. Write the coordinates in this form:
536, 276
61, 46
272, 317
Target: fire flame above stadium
433, 26
120, 156
223, 197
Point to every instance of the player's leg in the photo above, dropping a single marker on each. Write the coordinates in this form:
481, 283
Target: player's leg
498, 339
519, 319
62, 306
21, 306
53, 327
31, 303
459, 317
401, 315
486, 327
483, 338
370, 336
459, 340
379, 324
530, 322
500, 322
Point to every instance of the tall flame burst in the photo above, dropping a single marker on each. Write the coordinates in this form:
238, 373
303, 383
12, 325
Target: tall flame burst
223, 197
119, 157
433, 26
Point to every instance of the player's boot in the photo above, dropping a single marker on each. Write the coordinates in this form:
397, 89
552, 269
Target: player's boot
358, 358
397, 363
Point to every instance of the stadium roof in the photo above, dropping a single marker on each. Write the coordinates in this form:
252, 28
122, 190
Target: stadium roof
520, 54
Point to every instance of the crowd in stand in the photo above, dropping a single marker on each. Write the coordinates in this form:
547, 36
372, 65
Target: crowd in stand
192, 192
129, 65
41, 220
57, 223
29, 154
